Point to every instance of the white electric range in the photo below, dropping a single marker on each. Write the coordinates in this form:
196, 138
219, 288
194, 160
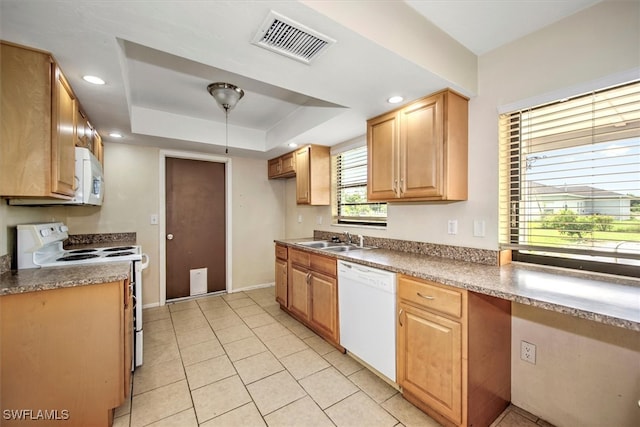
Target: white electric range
41, 246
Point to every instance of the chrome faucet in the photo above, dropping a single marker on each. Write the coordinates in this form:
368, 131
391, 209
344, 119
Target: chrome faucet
347, 237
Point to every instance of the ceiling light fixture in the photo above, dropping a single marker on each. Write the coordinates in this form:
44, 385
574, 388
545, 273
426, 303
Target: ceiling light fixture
115, 135
293, 144
93, 80
395, 99
227, 96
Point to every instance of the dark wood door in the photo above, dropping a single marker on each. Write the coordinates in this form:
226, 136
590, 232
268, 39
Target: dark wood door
195, 212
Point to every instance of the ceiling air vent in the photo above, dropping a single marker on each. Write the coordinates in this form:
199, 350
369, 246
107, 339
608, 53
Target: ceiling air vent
289, 38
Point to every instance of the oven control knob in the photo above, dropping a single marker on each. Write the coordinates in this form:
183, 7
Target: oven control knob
45, 232
169, 236
64, 228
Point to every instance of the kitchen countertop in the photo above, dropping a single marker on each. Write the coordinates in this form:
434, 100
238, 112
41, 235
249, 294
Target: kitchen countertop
41, 279
608, 299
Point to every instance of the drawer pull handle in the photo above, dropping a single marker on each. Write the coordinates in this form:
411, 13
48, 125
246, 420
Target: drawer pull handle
425, 296
400, 321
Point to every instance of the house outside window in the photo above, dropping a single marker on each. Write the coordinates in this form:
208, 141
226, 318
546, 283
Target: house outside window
570, 181
350, 205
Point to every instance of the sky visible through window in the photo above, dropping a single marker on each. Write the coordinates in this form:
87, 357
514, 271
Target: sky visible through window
613, 166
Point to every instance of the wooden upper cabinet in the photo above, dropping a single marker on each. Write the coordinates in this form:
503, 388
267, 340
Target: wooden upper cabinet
283, 166
311, 166
419, 152
64, 137
382, 140
98, 147
38, 132
313, 175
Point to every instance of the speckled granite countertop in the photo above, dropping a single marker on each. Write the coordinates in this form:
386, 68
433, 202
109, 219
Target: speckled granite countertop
40, 279
613, 300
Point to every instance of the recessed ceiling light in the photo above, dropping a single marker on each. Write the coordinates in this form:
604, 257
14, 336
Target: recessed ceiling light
293, 144
115, 135
395, 99
93, 80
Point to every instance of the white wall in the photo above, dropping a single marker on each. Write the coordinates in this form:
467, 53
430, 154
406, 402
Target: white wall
132, 195
587, 374
258, 218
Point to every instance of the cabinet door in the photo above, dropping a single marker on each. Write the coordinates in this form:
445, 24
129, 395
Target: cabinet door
430, 360
303, 182
422, 149
288, 163
63, 139
298, 298
275, 167
82, 128
323, 312
382, 147
25, 134
128, 337
281, 282
98, 147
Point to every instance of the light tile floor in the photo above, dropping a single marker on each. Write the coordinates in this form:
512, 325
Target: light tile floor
238, 360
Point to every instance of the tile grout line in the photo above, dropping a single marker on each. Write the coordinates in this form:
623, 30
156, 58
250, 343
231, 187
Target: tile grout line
289, 330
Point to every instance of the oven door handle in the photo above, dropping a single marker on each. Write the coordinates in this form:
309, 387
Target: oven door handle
145, 262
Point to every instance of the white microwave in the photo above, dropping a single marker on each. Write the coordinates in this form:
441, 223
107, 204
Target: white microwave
89, 184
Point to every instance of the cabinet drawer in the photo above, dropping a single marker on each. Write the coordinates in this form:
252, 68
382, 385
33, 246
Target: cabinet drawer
300, 257
281, 252
323, 264
430, 295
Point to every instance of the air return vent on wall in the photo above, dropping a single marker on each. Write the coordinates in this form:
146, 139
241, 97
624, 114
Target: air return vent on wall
289, 38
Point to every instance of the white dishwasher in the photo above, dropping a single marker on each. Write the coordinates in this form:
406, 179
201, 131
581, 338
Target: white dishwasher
367, 306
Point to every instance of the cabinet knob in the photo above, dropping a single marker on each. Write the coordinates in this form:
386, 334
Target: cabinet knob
169, 236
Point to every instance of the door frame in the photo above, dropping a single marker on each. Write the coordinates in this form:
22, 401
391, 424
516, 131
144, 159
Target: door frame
162, 230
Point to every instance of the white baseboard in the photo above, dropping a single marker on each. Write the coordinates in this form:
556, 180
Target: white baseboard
253, 287
153, 304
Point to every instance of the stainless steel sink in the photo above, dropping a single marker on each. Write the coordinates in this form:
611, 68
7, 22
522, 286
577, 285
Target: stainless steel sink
318, 244
345, 248
327, 245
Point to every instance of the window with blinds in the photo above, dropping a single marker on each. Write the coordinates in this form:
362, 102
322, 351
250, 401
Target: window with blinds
352, 206
570, 181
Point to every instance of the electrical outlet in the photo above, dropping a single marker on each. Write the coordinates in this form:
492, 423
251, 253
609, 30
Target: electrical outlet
452, 226
153, 219
528, 352
299, 219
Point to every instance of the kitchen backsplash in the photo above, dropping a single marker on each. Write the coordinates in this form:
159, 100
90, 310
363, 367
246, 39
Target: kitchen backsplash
5, 263
91, 239
479, 256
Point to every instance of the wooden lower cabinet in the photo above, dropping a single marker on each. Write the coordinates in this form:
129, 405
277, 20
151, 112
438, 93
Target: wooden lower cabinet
299, 282
67, 350
313, 293
323, 305
281, 275
454, 352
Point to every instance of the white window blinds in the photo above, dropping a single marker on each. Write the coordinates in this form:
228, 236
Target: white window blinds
352, 206
570, 177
